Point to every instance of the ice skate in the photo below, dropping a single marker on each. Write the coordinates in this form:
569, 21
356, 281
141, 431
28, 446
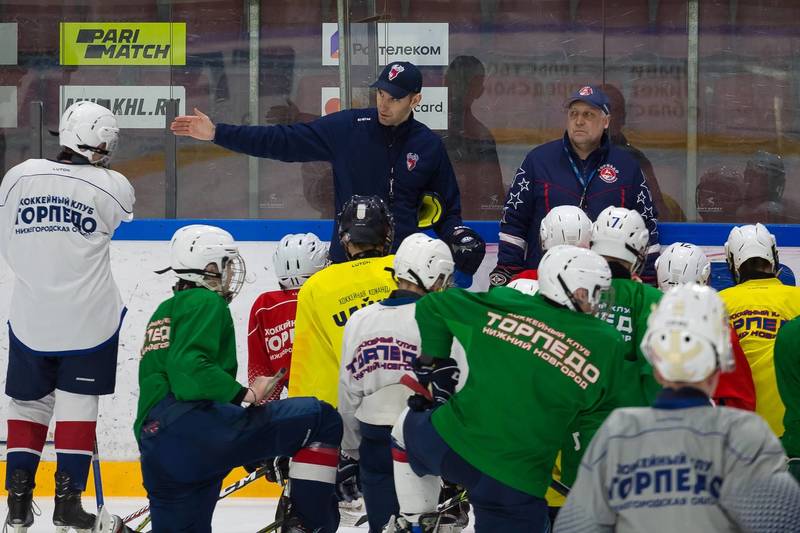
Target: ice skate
427, 523
108, 523
20, 502
68, 512
453, 505
351, 512
285, 520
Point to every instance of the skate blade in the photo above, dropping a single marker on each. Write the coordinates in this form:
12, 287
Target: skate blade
66, 529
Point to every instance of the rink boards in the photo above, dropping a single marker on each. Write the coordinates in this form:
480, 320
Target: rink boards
142, 247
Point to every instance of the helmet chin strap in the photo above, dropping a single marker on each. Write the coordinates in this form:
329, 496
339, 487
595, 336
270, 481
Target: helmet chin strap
366, 254
640, 256
575, 304
94, 149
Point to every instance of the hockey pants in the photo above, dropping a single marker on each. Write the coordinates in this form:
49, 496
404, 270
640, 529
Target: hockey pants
498, 507
187, 449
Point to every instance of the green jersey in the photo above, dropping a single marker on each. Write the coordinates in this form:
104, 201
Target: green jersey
533, 369
189, 350
787, 374
631, 305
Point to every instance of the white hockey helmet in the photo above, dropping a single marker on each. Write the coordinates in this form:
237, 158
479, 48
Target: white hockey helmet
423, 261
564, 270
297, 257
207, 256
565, 224
620, 233
525, 285
747, 242
85, 126
687, 335
680, 263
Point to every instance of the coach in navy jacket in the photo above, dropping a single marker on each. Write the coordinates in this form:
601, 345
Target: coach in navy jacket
379, 151
583, 168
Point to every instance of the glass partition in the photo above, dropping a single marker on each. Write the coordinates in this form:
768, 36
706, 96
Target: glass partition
703, 92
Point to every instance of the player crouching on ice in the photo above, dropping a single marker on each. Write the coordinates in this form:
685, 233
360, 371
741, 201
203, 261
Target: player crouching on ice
536, 364
190, 426
381, 343
682, 465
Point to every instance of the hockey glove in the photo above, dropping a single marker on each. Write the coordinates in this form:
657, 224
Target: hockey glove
502, 275
348, 479
467, 248
278, 470
440, 376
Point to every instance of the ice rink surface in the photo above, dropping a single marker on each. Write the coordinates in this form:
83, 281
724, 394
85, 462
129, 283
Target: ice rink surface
232, 515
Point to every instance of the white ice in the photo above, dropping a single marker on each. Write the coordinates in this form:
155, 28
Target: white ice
232, 515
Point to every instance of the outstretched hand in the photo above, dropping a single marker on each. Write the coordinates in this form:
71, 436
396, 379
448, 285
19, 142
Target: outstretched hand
198, 126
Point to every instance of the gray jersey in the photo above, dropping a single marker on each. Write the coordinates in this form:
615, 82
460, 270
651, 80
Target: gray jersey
689, 469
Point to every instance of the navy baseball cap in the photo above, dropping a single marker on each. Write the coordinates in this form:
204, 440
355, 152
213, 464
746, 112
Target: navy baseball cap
593, 96
399, 79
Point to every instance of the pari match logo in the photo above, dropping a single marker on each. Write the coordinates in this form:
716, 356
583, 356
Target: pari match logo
123, 43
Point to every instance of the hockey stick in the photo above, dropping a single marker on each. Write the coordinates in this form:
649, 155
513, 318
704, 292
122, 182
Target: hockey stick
98, 480
416, 386
559, 487
226, 491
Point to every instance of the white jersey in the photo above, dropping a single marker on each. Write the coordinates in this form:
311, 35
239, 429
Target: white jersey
380, 344
56, 223
682, 469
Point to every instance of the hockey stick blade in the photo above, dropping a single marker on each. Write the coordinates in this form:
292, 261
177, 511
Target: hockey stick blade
452, 502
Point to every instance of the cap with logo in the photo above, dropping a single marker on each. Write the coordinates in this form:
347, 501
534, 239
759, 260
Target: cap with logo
592, 96
399, 79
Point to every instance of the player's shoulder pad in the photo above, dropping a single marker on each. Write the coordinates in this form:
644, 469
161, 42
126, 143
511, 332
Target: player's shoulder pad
792, 327
650, 292
200, 296
29, 166
749, 434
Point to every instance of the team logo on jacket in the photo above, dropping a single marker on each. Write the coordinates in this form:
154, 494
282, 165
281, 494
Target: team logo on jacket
608, 173
411, 160
586, 91
394, 71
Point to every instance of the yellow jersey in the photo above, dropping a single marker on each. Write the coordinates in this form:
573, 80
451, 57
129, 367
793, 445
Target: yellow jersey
757, 309
324, 304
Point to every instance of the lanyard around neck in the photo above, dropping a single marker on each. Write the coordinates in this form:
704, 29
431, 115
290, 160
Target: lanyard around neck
578, 174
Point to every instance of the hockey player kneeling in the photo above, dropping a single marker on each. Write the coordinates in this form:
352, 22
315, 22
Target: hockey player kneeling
536, 364
190, 427
683, 465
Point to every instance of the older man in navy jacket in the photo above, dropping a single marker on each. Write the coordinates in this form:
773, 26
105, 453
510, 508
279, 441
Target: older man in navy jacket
583, 168
379, 151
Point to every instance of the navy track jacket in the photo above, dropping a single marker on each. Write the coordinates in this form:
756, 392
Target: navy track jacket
552, 174
398, 164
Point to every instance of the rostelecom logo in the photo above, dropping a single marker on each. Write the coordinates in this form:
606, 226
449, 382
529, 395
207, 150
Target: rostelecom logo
121, 43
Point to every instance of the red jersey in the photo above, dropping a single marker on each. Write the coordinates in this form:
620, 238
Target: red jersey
270, 336
736, 388
530, 273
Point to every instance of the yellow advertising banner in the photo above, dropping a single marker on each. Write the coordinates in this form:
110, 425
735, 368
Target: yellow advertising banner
123, 43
